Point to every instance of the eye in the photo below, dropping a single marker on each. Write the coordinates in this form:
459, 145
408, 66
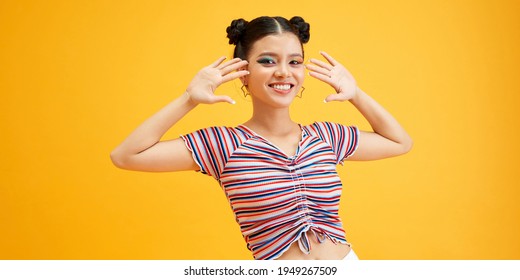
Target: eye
266, 60
295, 62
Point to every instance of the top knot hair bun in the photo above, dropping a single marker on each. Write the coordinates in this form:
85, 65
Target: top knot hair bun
244, 34
236, 30
302, 27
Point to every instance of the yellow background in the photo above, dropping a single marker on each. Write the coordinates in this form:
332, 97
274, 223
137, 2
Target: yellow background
76, 77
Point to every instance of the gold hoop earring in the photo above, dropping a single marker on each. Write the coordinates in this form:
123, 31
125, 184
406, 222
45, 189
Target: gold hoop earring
243, 91
301, 93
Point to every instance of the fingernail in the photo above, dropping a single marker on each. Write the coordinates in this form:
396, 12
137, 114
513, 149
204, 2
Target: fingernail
324, 100
233, 102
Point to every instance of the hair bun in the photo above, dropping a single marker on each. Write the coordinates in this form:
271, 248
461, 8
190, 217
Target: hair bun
302, 27
236, 30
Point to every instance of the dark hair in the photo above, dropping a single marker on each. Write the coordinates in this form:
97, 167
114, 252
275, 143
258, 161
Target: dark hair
244, 34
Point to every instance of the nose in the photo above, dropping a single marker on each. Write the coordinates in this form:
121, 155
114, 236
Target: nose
282, 71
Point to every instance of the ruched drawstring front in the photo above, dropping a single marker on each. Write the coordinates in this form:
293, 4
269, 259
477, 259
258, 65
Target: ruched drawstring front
319, 234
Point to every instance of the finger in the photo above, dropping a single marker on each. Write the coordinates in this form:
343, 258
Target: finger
222, 98
321, 77
235, 66
317, 69
229, 62
234, 75
334, 97
218, 61
329, 58
321, 64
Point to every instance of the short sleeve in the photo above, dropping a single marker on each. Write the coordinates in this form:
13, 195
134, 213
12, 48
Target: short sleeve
342, 139
211, 148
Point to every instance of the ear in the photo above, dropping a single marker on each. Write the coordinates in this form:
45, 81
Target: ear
244, 79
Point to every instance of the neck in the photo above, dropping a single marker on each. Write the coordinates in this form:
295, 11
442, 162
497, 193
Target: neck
273, 121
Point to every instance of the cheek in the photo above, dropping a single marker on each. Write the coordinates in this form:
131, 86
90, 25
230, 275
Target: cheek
299, 74
255, 83
258, 75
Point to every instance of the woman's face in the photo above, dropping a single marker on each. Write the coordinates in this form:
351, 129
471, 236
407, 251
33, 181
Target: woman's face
276, 70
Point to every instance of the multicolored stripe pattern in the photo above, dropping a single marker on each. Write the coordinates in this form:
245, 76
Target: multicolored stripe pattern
277, 198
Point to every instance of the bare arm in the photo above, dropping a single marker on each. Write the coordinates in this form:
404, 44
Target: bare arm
142, 150
388, 138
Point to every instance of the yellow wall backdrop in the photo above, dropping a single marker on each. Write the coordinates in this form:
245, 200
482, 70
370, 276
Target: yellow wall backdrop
76, 77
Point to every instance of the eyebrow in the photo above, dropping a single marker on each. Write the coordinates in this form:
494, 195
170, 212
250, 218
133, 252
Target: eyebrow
274, 54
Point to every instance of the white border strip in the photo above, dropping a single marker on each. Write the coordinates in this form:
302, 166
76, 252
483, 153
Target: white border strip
173, 270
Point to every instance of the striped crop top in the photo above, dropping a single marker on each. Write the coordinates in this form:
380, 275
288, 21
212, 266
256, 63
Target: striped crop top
276, 199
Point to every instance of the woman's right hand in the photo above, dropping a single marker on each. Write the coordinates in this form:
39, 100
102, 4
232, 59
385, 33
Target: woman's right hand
202, 88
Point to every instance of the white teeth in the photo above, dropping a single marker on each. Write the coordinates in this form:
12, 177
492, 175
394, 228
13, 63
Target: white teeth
282, 87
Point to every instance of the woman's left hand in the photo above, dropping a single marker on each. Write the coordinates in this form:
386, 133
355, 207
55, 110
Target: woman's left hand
334, 74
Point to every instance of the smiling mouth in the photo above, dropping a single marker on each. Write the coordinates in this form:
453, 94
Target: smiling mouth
283, 87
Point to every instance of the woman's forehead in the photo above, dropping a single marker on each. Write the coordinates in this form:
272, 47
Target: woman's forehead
281, 44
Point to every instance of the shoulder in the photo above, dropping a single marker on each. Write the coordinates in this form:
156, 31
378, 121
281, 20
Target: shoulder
220, 130
219, 134
330, 130
318, 128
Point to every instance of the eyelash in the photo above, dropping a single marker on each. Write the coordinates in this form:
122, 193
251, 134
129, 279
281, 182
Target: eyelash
271, 61
266, 61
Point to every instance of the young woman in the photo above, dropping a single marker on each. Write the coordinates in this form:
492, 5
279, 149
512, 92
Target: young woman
279, 176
